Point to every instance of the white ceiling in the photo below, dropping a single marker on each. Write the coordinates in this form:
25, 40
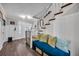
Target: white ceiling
16, 9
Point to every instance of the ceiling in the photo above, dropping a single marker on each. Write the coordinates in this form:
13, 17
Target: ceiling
16, 9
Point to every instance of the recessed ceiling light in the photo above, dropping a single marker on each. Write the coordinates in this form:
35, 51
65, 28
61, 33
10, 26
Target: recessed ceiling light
23, 16
29, 17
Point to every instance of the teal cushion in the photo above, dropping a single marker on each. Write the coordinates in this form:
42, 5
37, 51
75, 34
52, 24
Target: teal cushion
49, 50
63, 44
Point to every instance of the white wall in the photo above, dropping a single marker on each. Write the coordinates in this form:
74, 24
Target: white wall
63, 28
20, 26
76, 34
2, 28
66, 27
2, 34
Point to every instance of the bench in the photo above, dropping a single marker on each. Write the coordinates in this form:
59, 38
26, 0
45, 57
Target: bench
49, 50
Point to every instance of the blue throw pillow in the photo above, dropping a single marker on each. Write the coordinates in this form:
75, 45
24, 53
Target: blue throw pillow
63, 45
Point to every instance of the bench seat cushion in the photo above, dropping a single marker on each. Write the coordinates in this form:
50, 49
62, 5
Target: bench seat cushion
49, 50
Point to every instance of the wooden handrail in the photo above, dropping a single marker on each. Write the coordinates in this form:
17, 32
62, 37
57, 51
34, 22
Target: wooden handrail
47, 24
52, 19
66, 5
58, 13
47, 14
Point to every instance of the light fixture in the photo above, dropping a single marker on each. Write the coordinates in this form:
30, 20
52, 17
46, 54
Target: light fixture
26, 16
23, 16
29, 17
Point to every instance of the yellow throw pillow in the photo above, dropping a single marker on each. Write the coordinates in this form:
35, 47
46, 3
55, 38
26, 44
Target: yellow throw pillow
36, 37
52, 41
43, 38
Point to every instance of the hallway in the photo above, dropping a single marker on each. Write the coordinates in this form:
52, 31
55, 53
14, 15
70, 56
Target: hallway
50, 28
17, 48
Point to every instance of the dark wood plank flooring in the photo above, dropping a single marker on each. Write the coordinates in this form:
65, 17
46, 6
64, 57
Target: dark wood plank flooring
17, 48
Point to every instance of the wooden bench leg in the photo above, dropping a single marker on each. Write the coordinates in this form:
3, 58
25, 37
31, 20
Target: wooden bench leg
42, 53
34, 47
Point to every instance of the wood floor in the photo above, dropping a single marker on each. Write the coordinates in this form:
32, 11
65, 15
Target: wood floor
17, 48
